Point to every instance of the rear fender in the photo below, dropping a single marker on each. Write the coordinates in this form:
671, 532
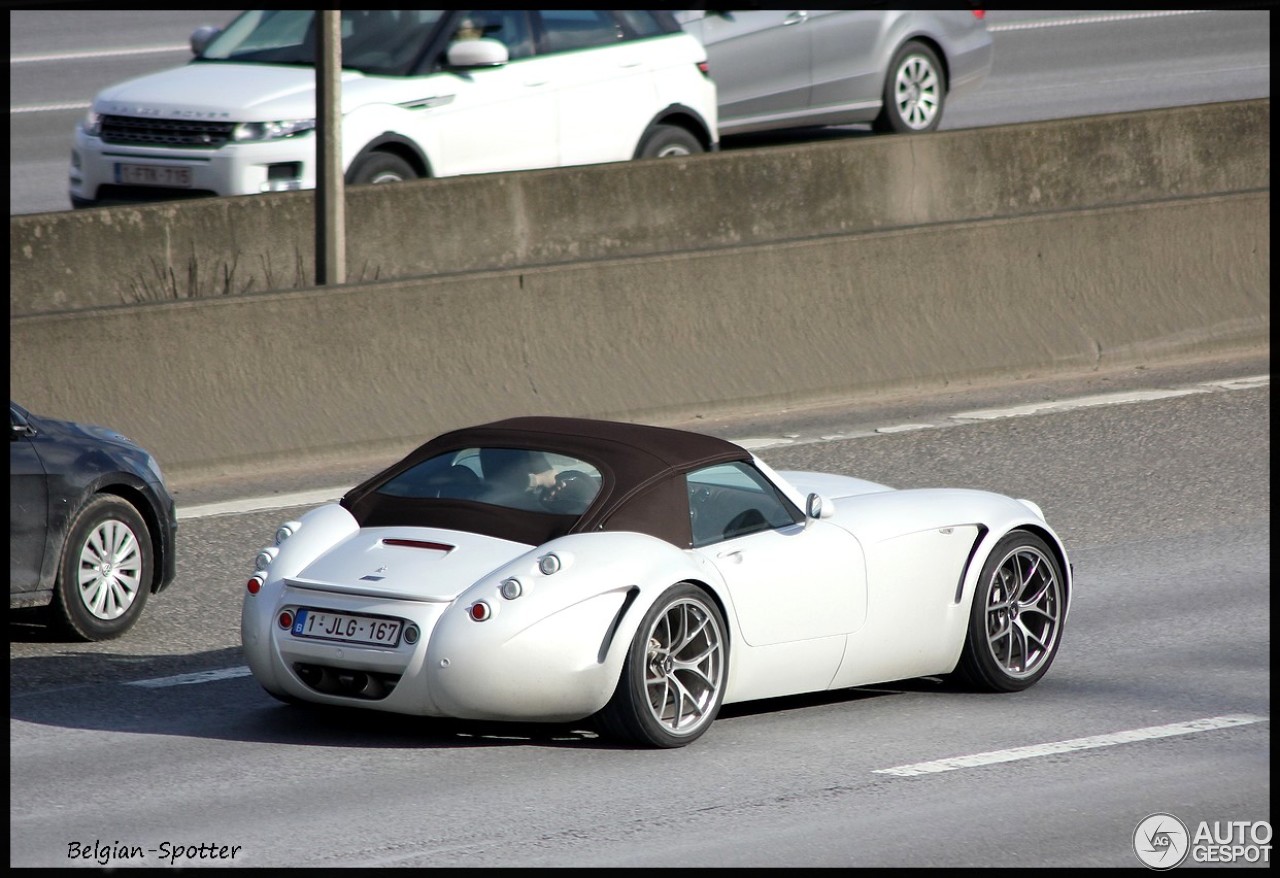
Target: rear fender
622, 574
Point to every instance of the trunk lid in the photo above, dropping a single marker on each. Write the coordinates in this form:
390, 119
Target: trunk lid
408, 563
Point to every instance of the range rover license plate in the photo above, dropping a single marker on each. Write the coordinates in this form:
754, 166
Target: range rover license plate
154, 175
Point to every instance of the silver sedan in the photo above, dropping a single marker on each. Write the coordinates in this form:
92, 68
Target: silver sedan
775, 68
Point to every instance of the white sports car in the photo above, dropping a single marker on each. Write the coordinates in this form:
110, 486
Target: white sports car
556, 569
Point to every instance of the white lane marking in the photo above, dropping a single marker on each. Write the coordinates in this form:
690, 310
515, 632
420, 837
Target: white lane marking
1125, 737
756, 443
108, 53
1062, 405
189, 679
1241, 383
258, 504
904, 428
1121, 398
46, 108
1090, 19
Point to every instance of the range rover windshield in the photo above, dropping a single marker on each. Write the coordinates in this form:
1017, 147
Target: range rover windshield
385, 42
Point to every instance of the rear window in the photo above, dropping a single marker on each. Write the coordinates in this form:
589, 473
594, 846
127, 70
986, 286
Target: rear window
512, 478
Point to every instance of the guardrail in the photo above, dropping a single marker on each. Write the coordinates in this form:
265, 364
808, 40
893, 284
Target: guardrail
229, 246
217, 384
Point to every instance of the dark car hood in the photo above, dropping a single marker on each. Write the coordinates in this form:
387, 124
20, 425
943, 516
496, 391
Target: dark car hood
73, 429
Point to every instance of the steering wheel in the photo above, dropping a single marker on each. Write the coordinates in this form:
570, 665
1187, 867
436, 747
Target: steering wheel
572, 491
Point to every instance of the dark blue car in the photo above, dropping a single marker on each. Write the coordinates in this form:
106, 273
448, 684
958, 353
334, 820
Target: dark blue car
91, 524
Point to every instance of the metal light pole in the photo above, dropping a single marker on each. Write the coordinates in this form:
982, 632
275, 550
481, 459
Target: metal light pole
331, 215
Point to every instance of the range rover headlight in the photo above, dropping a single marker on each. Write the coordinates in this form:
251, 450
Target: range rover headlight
252, 132
92, 123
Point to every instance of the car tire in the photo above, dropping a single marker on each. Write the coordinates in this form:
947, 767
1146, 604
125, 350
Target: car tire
915, 92
668, 141
674, 675
1015, 623
380, 167
106, 570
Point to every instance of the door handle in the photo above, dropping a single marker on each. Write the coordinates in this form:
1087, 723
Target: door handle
735, 556
795, 18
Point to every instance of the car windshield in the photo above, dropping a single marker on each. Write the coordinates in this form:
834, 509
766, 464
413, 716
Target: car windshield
514, 478
380, 41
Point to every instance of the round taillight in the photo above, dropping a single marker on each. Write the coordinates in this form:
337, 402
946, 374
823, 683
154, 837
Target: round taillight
549, 564
255, 584
480, 611
511, 589
286, 619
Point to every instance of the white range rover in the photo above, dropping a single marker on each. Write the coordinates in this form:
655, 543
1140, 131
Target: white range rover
425, 93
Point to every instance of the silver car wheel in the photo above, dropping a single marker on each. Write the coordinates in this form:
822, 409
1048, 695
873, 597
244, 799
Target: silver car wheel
673, 149
1023, 612
917, 92
110, 570
684, 667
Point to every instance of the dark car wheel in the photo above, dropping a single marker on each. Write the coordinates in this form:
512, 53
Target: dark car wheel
380, 167
674, 675
106, 570
667, 141
915, 91
1015, 624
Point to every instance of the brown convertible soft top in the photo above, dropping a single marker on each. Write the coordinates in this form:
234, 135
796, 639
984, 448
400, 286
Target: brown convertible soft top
642, 489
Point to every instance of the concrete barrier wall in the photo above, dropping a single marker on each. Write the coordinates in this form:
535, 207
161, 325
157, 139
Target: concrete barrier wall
214, 385
106, 256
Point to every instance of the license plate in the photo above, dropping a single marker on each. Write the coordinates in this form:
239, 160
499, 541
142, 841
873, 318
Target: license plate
154, 175
346, 628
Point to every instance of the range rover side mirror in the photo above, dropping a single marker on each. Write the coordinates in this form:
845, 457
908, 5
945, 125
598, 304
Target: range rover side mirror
481, 52
201, 37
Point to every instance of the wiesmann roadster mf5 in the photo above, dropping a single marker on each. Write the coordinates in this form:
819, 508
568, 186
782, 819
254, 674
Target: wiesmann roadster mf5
560, 569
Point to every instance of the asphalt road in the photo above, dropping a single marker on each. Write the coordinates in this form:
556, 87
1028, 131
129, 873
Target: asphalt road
1046, 65
1158, 480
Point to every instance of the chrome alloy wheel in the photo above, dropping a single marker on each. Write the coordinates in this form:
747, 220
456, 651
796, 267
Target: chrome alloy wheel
1024, 612
673, 150
684, 667
917, 92
110, 570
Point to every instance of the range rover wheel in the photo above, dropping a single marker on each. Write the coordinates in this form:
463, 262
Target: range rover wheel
380, 167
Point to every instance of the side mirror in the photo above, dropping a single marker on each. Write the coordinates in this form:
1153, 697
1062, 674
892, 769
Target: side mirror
477, 53
201, 37
816, 507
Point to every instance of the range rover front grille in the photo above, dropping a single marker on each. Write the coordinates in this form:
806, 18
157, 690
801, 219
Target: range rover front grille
135, 131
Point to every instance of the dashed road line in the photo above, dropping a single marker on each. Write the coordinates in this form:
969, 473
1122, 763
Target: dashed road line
1149, 733
191, 679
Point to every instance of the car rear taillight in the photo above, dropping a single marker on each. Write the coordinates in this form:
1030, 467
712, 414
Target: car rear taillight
255, 584
704, 68
979, 13
286, 620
